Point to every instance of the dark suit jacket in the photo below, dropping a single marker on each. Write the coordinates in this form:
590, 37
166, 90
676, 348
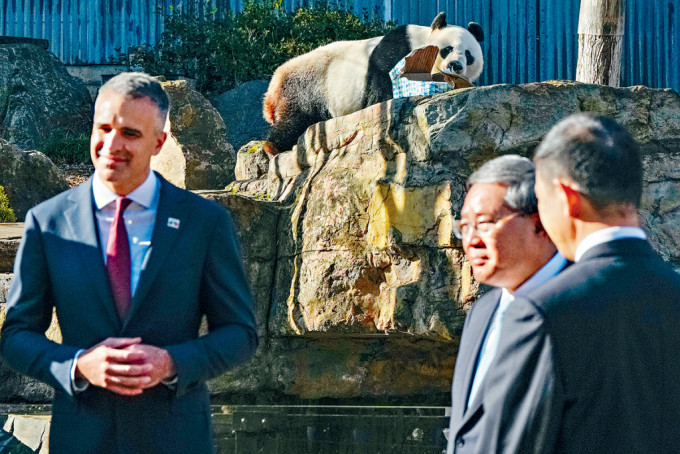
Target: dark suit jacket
463, 424
590, 362
189, 271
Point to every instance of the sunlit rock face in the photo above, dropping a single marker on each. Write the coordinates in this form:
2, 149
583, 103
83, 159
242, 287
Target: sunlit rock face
196, 154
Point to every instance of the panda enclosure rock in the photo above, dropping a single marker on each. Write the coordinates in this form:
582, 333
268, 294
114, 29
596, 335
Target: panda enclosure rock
41, 104
361, 291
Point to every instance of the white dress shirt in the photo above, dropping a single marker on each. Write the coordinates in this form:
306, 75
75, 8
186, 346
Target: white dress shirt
140, 218
605, 236
490, 343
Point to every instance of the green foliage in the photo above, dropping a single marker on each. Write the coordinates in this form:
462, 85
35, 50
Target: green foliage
6, 212
67, 149
236, 48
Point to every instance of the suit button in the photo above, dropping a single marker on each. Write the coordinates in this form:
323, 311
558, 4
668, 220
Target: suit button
460, 442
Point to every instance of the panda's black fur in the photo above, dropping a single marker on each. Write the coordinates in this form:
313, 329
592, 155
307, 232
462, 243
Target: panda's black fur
393, 47
346, 76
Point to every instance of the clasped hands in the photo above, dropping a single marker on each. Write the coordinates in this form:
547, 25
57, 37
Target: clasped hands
125, 366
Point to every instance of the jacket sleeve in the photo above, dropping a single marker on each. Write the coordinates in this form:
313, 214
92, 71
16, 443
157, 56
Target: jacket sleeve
458, 395
226, 299
23, 344
525, 392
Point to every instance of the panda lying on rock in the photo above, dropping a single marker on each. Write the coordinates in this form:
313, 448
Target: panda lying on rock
346, 76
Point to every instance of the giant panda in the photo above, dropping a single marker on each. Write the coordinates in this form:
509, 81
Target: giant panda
345, 76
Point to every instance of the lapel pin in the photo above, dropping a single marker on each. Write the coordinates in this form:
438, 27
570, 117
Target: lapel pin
173, 222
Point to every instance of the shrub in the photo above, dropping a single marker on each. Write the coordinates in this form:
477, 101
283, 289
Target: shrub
6, 212
67, 148
221, 53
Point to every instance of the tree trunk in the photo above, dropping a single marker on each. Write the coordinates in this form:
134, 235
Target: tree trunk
600, 41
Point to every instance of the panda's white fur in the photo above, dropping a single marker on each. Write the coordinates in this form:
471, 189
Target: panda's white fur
346, 76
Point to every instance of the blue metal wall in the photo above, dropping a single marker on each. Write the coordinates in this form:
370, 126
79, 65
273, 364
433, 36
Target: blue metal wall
533, 40
526, 40
90, 31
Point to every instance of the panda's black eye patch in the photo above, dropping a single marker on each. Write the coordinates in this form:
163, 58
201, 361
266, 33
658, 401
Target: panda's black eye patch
469, 57
445, 51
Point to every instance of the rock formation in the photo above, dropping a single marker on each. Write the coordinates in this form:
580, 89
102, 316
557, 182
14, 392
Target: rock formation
40, 101
196, 154
241, 110
365, 291
252, 162
29, 177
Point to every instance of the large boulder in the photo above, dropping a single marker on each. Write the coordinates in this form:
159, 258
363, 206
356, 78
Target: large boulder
29, 177
40, 101
241, 110
196, 154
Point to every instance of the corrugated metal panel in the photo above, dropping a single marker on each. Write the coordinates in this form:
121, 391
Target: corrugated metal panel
526, 40
372, 8
651, 53
90, 31
557, 39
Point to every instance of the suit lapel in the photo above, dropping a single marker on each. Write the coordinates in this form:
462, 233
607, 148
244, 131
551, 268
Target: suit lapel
169, 224
80, 219
483, 315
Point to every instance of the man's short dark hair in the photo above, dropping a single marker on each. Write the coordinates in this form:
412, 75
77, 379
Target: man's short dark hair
515, 172
598, 154
139, 85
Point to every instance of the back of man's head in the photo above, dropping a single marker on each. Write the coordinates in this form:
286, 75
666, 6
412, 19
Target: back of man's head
515, 172
597, 154
137, 85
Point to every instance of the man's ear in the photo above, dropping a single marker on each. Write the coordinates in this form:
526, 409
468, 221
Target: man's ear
538, 225
159, 142
572, 197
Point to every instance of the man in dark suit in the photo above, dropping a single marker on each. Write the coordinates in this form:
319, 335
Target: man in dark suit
131, 264
507, 247
591, 361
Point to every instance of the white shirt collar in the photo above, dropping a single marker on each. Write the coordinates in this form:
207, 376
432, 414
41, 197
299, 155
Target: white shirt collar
605, 236
543, 275
142, 195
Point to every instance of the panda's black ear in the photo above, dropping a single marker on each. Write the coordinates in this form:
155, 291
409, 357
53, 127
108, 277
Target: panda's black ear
476, 30
439, 21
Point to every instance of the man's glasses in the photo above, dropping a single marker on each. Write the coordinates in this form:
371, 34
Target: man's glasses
485, 227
